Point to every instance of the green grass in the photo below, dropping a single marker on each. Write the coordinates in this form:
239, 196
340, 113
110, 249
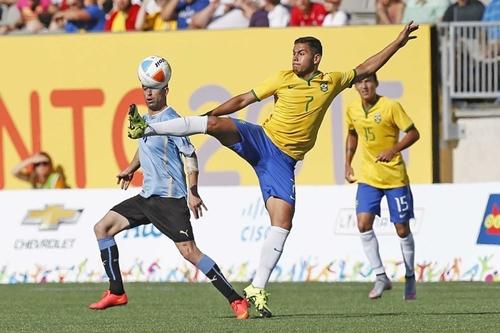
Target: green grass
297, 307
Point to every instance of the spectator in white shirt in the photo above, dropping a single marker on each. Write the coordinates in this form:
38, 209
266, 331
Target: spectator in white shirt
335, 17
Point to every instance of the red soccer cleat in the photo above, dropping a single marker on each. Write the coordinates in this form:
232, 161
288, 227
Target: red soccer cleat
108, 300
240, 309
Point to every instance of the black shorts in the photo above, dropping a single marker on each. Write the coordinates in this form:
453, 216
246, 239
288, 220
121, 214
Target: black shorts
169, 215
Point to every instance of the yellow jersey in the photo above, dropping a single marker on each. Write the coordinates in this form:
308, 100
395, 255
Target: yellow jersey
378, 130
299, 107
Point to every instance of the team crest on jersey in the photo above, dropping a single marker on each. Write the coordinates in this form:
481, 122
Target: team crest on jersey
323, 86
377, 117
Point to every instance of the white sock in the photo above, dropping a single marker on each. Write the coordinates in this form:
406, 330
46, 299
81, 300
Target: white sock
271, 253
408, 250
370, 246
179, 126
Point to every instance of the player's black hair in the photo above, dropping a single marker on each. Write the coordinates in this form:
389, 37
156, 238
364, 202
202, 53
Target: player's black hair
374, 77
313, 43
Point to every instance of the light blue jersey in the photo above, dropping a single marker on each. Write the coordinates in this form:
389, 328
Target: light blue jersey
161, 162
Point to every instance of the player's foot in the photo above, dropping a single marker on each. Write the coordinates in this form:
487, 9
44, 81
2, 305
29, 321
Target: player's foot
108, 300
410, 288
258, 297
137, 125
382, 283
240, 308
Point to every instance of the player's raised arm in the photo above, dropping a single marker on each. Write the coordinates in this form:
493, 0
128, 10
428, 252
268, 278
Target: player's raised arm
234, 104
374, 63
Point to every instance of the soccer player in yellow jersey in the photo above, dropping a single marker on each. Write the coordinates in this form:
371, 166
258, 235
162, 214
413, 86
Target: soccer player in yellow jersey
302, 95
375, 123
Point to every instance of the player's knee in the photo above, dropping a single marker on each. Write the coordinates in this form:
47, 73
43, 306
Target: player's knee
403, 231
100, 230
364, 227
212, 124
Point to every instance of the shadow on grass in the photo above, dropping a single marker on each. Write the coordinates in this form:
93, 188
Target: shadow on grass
387, 314
367, 315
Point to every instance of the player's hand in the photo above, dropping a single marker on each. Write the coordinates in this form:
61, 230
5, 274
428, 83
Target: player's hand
195, 203
349, 174
405, 35
386, 156
124, 179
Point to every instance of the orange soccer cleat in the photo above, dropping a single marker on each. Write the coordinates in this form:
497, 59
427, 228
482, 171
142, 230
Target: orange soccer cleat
108, 300
240, 309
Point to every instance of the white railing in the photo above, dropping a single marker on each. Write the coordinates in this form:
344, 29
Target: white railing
470, 66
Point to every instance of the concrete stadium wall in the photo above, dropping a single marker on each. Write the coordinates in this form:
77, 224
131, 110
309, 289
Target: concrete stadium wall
476, 158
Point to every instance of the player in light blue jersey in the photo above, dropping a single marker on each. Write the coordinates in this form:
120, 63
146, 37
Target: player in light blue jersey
161, 202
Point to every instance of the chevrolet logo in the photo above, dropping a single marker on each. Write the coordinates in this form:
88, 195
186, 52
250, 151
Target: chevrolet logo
50, 217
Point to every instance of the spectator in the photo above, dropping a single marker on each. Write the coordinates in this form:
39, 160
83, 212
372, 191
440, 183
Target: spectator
38, 170
335, 17
123, 17
464, 10
9, 16
277, 13
492, 14
425, 11
182, 11
307, 13
149, 17
81, 16
225, 14
272, 14
30, 12
389, 11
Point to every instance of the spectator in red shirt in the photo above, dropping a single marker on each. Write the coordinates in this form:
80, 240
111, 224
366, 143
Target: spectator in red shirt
123, 16
306, 14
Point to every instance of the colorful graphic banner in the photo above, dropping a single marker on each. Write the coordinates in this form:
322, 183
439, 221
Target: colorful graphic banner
50, 237
489, 232
72, 99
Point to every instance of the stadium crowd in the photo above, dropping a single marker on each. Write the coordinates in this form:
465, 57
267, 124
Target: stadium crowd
70, 16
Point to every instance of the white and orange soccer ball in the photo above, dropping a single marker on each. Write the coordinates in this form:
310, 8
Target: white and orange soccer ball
154, 72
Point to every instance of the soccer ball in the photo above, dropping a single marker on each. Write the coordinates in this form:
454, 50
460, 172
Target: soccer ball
154, 72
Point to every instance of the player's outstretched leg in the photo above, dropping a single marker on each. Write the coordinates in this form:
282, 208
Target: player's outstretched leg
182, 126
137, 125
115, 295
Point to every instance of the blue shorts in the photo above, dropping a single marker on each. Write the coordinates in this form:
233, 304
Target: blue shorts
274, 168
399, 200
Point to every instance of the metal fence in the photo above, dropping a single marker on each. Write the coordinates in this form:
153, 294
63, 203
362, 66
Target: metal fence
470, 54
470, 66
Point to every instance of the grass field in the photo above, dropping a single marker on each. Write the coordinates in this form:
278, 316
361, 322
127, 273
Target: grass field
297, 307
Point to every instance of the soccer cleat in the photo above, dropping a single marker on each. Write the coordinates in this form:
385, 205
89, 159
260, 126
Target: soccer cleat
137, 125
258, 297
382, 283
240, 309
410, 288
108, 300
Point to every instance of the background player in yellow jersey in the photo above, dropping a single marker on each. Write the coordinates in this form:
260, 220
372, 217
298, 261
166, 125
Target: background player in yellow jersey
375, 122
302, 96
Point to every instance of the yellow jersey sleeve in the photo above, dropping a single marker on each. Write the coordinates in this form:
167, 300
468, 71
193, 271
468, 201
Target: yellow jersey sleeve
342, 80
268, 87
401, 119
